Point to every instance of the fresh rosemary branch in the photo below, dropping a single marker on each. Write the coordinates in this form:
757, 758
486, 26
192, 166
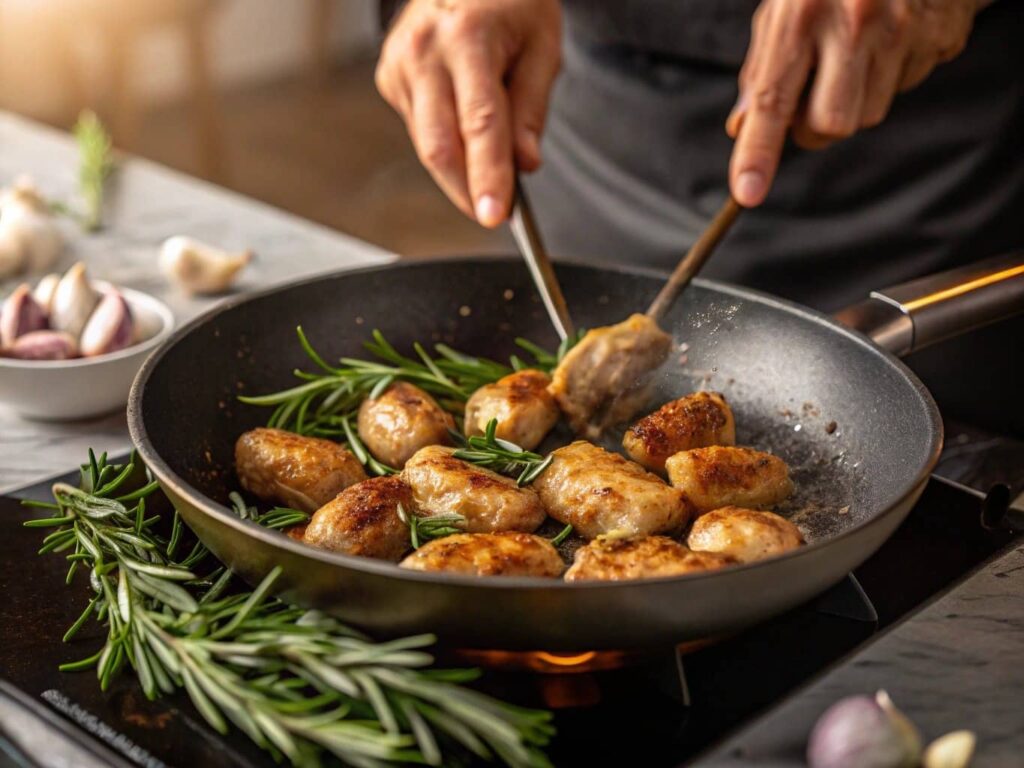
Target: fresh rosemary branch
94, 166
500, 455
325, 400
427, 528
545, 360
298, 683
277, 518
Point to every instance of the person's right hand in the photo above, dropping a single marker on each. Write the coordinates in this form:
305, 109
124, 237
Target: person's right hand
471, 78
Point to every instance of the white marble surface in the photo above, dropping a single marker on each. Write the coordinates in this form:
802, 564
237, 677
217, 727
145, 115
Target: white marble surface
146, 204
959, 663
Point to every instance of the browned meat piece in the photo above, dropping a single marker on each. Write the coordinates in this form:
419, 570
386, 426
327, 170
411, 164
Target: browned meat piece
601, 492
488, 554
297, 532
746, 534
299, 472
400, 422
603, 380
363, 520
490, 502
722, 476
649, 557
521, 403
694, 421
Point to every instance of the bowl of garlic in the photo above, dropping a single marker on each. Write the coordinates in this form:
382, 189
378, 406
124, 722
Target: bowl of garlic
71, 346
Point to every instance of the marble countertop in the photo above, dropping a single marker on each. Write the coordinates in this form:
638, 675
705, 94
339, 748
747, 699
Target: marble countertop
956, 664
147, 203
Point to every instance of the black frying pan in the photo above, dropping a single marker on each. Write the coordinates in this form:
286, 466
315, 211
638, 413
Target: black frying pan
858, 429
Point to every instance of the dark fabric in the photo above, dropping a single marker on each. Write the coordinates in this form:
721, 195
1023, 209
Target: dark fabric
636, 157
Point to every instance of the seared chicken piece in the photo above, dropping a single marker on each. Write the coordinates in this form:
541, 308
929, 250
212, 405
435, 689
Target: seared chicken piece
603, 379
400, 422
490, 502
521, 403
363, 520
746, 534
694, 421
649, 557
726, 476
488, 554
601, 492
299, 472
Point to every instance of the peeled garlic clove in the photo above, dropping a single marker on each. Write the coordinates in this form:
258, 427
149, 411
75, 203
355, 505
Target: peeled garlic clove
44, 345
864, 732
26, 220
200, 268
73, 301
45, 290
110, 327
20, 315
954, 750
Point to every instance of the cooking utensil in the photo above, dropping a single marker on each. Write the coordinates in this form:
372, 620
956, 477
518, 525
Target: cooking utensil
695, 258
859, 430
531, 247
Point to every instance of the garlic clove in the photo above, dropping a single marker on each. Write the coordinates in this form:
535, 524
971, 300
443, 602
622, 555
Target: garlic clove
954, 750
21, 314
12, 251
26, 220
44, 345
864, 732
45, 290
73, 301
200, 268
110, 326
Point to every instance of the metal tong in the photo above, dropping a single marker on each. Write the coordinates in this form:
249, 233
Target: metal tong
527, 237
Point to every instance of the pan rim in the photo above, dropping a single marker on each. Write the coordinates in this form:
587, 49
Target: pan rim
276, 539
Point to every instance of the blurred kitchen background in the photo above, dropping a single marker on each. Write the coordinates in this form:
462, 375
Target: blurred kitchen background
272, 98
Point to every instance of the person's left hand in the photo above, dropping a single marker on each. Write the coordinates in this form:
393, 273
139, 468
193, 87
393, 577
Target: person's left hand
859, 53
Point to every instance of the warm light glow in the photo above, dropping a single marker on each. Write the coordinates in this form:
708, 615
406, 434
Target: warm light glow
565, 660
957, 290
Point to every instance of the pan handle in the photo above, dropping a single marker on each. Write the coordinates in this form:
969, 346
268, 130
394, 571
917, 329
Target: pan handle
911, 316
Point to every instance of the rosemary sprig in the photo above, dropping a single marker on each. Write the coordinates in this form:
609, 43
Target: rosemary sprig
326, 399
426, 528
94, 166
277, 518
361, 453
562, 535
502, 456
298, 683
544, 360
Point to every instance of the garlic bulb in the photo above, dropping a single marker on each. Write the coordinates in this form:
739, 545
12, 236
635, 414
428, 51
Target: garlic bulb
110, 326
20, 315
45, 290
29, 236
44, 345
864, 732
73, 301
200, 268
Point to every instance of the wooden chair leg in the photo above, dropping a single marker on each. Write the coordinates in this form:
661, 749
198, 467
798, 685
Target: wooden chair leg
321, 19
204, 98
124, 123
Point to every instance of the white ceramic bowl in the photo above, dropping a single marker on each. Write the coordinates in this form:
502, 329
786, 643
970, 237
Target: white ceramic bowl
64, 390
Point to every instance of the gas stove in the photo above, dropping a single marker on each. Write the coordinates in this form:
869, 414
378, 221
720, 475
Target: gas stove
669, 706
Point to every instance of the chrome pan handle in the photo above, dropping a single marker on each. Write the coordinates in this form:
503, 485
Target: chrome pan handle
914, 315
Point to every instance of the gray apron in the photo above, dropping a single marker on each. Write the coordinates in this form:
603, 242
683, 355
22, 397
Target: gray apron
636, 157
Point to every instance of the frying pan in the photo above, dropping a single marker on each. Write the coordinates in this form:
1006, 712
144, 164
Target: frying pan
858, 429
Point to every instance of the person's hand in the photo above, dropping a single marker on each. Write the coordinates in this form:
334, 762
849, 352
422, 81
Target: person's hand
471, 78
859, 53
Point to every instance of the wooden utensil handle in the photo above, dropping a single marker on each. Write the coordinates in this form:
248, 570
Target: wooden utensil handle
695, 258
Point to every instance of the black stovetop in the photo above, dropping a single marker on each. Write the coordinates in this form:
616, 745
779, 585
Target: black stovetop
646, 706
